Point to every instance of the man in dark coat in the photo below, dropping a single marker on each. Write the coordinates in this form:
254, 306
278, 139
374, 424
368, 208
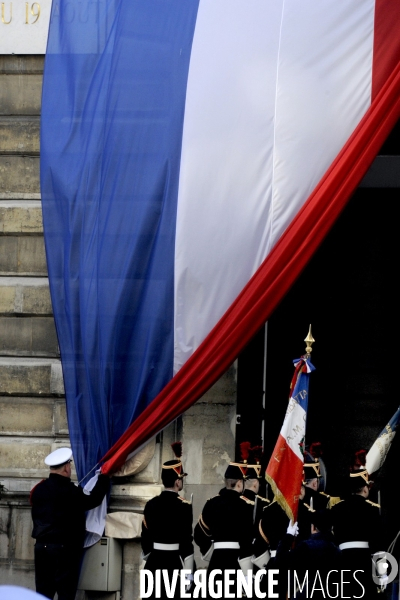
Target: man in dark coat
167, 541
357, 530
225, 527
311, 497
252, 484
58, 514
314, 561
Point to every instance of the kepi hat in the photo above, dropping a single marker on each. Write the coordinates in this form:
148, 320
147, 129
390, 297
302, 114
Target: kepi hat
254, 466
311, 467
238, 470
58, 458
359, 476
173, 469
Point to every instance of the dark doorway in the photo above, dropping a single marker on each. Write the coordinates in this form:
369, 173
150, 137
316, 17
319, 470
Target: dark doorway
348, 293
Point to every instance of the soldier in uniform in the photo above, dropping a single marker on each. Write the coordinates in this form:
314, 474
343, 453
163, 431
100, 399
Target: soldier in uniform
225, 526
167, 540
271, 529
312, 498
274, 539
58, 514
252, 485
357, 530
314, 558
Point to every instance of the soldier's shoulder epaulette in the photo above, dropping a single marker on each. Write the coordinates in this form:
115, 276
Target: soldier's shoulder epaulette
338, 501
373, 503
247, 500
212, 497
333, 500
263, 499
183, 500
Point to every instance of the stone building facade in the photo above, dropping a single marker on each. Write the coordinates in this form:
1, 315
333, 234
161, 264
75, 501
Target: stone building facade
32, 405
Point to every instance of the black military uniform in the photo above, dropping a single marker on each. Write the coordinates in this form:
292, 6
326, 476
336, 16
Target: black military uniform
251, 496
225, 527
313, 559
311, 500
271, 529
167, 540
257, 503
58, 514
272, 544
357, 530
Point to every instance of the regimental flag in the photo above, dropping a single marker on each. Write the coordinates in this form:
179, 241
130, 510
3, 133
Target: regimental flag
377, 454
285, 468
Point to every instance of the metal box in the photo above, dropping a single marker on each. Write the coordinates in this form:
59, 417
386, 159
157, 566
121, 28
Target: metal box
102, 566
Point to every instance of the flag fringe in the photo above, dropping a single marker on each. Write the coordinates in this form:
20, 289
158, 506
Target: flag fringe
279, 497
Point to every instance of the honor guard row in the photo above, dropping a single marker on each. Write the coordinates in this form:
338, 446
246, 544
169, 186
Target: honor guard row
238, 529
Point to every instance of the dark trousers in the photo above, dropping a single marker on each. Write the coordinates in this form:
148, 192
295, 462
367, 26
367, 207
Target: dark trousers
57, 570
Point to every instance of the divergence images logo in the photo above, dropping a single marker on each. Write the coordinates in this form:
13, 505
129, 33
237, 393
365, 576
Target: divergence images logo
381, 574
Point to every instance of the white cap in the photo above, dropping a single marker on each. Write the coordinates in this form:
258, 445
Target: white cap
59, 457
13, 592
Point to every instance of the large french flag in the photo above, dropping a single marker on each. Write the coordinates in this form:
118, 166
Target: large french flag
285, 469
194, 153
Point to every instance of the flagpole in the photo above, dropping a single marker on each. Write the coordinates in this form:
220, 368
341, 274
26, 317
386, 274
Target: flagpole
285, 467
309, 340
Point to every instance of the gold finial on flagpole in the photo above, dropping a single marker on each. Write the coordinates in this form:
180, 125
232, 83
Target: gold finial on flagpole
309, 341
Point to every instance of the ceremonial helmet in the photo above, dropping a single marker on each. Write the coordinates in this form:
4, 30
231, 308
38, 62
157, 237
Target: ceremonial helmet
238, 470
359, 476
359, 479
173, 469
254, 466
311, 467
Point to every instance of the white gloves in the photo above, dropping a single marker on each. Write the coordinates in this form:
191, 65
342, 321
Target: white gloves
293, 529
188, 563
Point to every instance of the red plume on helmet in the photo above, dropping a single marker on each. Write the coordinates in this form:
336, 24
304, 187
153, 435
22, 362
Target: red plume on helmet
245, 451
316, 449
360, 459
257, 453
177, 449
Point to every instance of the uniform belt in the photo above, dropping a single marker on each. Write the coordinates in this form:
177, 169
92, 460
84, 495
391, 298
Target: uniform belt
226, 546
158, 546
347, 545
272, 553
